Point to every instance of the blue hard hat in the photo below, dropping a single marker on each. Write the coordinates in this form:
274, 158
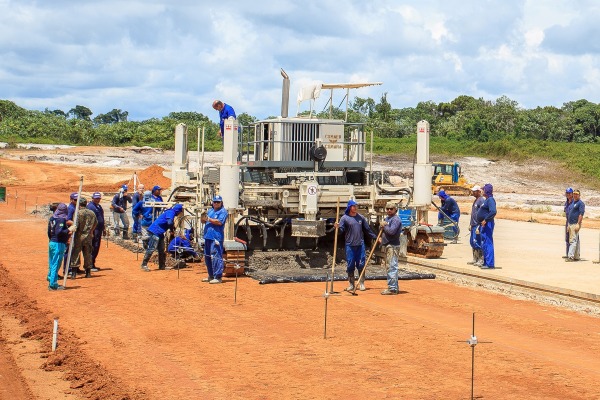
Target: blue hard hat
442, 194
217, 198
155, 188
74, 196
177, 208
124, 187
569, 190
97, 195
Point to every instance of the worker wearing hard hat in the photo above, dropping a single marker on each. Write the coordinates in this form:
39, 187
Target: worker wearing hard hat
119, 209
214, 234
165, 222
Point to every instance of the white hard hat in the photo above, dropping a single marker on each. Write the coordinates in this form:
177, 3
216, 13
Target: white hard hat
475, 188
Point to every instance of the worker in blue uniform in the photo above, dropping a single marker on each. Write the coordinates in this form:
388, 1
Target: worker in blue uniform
143, 213
214, 235
225, 111
165, 222
354, 225
100, 229
485, 219
450, 208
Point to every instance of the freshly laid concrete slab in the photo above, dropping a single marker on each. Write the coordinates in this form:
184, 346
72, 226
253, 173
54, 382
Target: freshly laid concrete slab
530, 252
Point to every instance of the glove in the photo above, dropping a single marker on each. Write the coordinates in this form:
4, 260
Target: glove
72, 228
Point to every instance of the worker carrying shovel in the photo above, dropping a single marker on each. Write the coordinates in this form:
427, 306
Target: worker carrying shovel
392, 229
354, 225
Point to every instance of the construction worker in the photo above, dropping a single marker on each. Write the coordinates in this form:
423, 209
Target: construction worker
449, 208
100, 230
165, 222
575, 218
82, 236
143, 214
225, 111
390, 240
353, 225
181, 247
568, 206
58, 233
485, 219
475, 239
156, 197
214, 235
119, 208
71, 206
137, 197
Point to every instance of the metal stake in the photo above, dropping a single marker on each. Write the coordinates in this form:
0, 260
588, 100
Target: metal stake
326, 296
235, 287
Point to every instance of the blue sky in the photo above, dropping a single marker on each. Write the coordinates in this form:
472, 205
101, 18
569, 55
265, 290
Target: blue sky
152, 57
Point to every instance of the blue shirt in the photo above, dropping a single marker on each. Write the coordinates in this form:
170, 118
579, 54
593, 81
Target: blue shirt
450, 207
487, 211
145, 212
392, 231
181, 243
212, 231
58, 230
353, 228
70, 211
120, 201
99, 211
576, 209
163, 223
225, 113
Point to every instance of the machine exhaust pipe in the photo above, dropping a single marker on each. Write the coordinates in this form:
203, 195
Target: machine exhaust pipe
285, 94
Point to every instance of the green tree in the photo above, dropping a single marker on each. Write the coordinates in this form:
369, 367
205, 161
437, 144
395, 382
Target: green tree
80, 112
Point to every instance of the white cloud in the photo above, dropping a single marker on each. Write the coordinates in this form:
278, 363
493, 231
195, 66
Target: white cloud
152, 57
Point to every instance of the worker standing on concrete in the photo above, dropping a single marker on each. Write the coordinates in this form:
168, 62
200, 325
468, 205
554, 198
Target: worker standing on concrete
475, 239
119, 207
568, 206
392, 230
353, 225
574, 219
136, 230
225, 111
164, 223
450, 208
214, 235
485, 219
100, 230
84, 232
58, 233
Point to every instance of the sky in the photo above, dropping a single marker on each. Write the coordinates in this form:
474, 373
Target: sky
151, 57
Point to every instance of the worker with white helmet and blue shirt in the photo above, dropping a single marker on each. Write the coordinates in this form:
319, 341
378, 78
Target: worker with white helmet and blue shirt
119, 208
214, 234
164, 223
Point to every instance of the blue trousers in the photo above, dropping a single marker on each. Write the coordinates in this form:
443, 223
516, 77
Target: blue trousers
355, 259
137, 225
56, 252
487, 243
213, 258
475, 239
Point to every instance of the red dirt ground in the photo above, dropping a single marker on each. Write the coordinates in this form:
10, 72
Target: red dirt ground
125, 334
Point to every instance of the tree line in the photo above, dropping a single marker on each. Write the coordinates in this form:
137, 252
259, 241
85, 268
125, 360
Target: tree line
463, 119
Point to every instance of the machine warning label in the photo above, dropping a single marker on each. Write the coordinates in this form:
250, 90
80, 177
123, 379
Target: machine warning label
312, 190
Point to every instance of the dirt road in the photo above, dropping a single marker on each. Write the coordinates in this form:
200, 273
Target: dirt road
160, 335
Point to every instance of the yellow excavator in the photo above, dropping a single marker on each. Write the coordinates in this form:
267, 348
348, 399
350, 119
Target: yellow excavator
448, 176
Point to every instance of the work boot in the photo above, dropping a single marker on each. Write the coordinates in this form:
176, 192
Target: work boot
88, 273
351, 281
361, 284
479, 257
210, 278
72, 273
387, 292
474, 258
145, 268
162, 261
125, 235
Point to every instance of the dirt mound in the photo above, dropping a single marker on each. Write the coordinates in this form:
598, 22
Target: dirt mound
151, 176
